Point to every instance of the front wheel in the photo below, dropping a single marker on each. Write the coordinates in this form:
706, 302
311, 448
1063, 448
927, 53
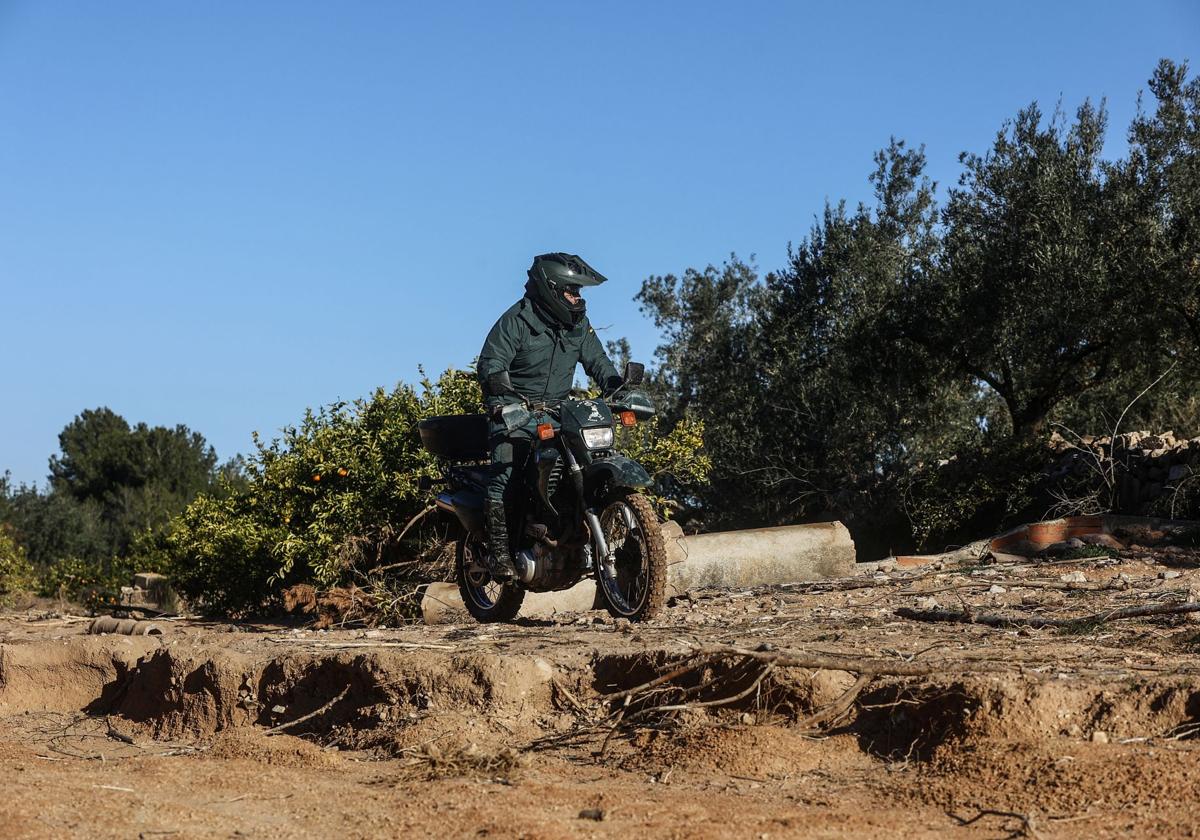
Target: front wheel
634, 585
486, 599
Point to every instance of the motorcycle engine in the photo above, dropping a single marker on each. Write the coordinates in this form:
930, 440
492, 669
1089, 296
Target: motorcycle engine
532, 564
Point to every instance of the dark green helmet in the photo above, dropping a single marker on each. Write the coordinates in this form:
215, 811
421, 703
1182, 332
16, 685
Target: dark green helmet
554, 286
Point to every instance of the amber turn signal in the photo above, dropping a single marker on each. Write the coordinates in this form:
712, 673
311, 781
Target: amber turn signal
628, 418
545, 431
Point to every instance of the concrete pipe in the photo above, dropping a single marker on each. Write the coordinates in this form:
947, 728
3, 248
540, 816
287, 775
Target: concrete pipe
123, 626
758, 556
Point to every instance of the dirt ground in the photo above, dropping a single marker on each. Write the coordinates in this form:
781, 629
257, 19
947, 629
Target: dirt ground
463, 730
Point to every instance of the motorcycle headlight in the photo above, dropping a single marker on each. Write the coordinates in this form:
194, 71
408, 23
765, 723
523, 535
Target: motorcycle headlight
601, 438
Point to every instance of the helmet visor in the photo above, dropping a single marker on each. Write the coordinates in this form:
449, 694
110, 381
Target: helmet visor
572, 296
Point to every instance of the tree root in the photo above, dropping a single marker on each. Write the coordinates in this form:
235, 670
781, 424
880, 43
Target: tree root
663, 697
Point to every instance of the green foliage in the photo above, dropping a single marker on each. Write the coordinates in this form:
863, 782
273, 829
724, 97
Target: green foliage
973, 495
16, 572
327, 498
134, 477
224, 555
1053, 284
676, 460
1090, 551
1041, 295
110, 483
77, 579
53, 526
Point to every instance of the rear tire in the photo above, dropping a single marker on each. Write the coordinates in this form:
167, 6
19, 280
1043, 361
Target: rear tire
631, 528
486, 599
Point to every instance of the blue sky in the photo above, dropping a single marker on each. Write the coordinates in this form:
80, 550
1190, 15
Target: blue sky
220, 213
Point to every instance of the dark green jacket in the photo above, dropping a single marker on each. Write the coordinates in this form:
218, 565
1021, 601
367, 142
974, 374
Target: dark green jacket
540, 357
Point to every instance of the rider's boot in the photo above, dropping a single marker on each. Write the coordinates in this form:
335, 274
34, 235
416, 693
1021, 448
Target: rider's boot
502, 567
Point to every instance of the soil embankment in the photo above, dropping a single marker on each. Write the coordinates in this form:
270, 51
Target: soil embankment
212, 730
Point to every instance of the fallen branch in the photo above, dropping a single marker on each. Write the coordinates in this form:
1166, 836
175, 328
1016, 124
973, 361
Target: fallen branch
313, 643
275, 730
838, 707
1025, 829
404, 531
964, 617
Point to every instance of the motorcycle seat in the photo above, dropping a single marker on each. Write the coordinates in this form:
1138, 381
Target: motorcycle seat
473, 474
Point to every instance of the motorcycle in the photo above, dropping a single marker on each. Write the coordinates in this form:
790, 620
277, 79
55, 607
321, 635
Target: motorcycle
582, 511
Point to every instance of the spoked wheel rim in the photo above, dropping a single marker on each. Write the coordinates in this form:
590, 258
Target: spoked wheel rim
626, 540
483, 590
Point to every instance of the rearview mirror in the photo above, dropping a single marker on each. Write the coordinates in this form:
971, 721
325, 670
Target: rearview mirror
635, 372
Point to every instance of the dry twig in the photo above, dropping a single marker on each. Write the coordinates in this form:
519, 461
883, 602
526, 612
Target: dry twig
275, 730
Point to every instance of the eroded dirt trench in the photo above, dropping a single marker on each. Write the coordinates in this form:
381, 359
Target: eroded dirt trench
522, 730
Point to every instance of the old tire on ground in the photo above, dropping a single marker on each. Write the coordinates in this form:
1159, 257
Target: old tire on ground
632, 531
487, 600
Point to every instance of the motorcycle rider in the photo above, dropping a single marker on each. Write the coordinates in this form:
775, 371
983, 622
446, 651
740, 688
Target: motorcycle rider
540, 340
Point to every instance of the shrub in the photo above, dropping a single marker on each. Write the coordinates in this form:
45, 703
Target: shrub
676, 460
975, 494
327, 498
93, 583
16, 572
224, 556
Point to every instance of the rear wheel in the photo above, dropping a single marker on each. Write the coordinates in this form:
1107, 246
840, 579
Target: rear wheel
635, 585
486, 599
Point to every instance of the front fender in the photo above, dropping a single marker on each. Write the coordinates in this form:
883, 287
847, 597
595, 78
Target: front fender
617, 472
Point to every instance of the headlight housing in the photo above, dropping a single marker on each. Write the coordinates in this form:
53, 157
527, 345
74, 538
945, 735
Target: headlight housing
599, 438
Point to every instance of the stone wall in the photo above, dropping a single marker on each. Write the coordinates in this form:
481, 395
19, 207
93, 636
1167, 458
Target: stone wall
1147, 471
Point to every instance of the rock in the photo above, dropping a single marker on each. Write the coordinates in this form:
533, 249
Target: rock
929, 603
887, 564
994, 589
596, 814
1060, 548
1169, 574
1103, 540
1073, 577
149, 580
1099, 737
827, 686
1048, 598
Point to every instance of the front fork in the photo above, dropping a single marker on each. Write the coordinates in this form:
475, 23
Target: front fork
603, 555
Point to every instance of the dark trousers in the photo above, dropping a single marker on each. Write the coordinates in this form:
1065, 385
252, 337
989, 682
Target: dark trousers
510, 452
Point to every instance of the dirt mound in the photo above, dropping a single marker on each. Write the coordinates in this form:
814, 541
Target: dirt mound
1062, 777
755, 752
252, 745
913, 718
